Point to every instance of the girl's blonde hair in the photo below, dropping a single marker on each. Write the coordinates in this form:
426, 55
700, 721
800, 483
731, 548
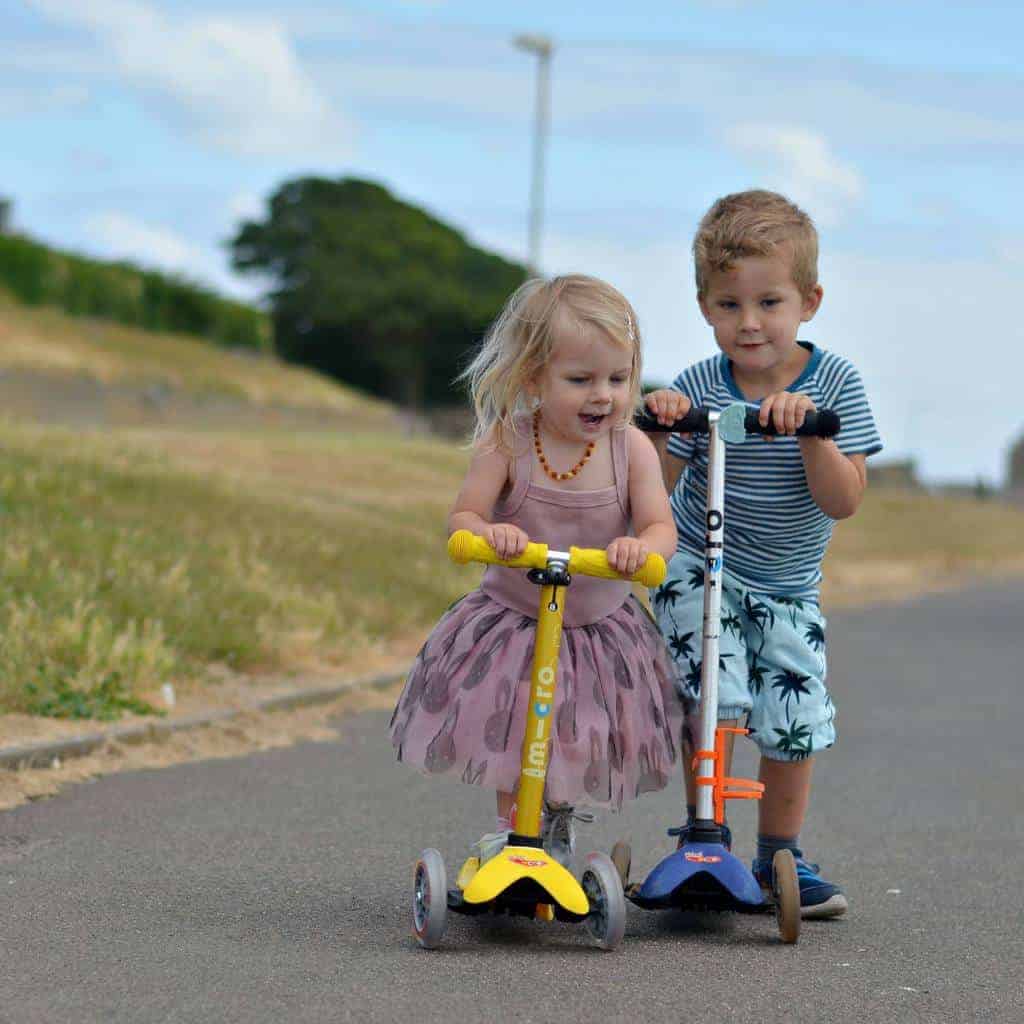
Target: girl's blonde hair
520, 341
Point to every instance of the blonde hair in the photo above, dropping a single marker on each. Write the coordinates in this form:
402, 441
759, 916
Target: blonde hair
755, 223
520, 341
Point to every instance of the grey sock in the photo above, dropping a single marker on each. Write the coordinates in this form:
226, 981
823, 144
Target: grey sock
768, 846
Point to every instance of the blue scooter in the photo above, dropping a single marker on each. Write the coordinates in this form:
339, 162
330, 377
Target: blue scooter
702, 874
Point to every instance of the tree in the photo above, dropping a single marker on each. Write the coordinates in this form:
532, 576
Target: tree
372, 290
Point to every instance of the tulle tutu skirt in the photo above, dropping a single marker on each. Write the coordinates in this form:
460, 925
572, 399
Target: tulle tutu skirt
615, 735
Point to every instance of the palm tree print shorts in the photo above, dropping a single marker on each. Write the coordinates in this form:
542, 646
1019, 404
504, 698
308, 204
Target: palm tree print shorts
771, 659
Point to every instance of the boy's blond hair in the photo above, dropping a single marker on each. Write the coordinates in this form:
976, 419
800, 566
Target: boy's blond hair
755, 223
519, 344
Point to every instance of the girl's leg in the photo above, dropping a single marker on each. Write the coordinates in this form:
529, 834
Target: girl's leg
506, 807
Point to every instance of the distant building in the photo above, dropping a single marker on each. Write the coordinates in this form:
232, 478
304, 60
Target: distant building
1015, 470
894, 473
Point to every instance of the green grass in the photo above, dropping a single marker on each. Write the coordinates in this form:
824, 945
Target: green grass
117, 559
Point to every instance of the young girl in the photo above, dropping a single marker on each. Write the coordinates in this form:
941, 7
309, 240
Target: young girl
555, 460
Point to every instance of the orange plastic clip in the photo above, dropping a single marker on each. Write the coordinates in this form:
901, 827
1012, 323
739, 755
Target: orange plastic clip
723, 787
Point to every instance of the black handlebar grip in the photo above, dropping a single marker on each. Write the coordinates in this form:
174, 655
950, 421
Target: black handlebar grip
823, 423
694, 422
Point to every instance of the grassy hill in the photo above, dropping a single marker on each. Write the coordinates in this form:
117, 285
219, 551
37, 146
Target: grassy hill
297, 530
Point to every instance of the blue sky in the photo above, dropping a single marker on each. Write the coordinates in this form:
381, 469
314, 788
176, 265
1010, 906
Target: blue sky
148, 128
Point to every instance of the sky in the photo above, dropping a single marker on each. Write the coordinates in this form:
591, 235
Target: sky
149, 129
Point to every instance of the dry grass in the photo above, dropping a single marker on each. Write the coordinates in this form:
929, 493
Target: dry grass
156, 557
154, 552
49, 341
903, 543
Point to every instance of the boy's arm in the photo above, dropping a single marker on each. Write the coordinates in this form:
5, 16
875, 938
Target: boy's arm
648, 503
668, 405
671, 467
837, 482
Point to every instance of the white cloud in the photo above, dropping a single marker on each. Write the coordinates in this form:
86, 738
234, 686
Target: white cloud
237, 82
124, 237
118, 236
800, 164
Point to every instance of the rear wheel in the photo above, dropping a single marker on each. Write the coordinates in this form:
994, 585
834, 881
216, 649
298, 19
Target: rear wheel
429, 899
786, 890
603, 888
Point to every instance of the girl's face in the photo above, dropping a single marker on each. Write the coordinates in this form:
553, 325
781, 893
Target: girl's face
755, 310
584, 388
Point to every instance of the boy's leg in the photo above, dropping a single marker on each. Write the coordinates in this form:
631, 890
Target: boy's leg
679, 608
787, 790
790, 721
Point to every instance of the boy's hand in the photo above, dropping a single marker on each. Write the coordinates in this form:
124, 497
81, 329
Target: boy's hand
668, 405
786, 411
627, 554
507, 540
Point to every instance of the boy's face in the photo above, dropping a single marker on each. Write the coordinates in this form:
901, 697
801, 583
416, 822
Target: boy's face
755, 310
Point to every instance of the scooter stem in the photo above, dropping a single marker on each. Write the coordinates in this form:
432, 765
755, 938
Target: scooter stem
534, 765
715, 531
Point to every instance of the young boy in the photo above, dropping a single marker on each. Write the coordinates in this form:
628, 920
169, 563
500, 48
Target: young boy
756, 264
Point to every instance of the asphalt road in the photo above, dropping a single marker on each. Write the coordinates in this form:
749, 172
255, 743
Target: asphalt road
277, 887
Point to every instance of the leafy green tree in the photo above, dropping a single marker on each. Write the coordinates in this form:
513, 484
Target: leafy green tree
371, 290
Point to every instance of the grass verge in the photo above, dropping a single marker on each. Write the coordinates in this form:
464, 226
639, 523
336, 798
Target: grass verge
146, 561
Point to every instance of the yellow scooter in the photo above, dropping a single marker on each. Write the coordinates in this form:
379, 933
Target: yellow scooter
523, 879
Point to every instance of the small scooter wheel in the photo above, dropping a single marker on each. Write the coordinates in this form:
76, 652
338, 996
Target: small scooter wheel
429, 899
786, 890
603, 888
622, 858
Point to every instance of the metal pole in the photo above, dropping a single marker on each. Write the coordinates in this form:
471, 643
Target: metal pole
542, 49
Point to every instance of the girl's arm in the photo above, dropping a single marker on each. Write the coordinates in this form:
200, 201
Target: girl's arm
649, 509
486, 478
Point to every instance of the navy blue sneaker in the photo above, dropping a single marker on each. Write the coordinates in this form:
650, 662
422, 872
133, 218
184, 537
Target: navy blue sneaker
818, 898
683, 832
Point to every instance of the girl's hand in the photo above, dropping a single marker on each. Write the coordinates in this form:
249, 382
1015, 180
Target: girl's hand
507, 540
786, 410
668, 405
627, 554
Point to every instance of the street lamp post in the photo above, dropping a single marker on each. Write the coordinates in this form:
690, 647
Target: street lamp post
542, 48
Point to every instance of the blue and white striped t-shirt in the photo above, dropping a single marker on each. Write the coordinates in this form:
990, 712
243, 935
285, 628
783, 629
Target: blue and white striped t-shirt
775, 535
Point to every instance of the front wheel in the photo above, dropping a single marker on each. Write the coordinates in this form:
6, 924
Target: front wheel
429, 899
786, 890
603, 888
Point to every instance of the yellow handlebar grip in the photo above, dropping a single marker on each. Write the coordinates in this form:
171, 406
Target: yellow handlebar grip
652, 573
465, 546
594, 562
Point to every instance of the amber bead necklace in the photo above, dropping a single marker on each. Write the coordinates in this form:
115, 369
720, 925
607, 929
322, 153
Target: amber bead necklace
545, 465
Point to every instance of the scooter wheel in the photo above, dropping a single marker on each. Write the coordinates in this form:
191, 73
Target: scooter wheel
429, 899
622, 858
603, 889
786, 890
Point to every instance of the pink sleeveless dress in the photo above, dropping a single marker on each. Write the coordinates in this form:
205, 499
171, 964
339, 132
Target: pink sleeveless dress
462, 713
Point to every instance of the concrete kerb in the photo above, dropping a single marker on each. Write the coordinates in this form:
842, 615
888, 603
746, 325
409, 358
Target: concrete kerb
41, 755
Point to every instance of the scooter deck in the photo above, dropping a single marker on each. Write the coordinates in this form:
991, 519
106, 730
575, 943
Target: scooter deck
701, 876
516, 880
